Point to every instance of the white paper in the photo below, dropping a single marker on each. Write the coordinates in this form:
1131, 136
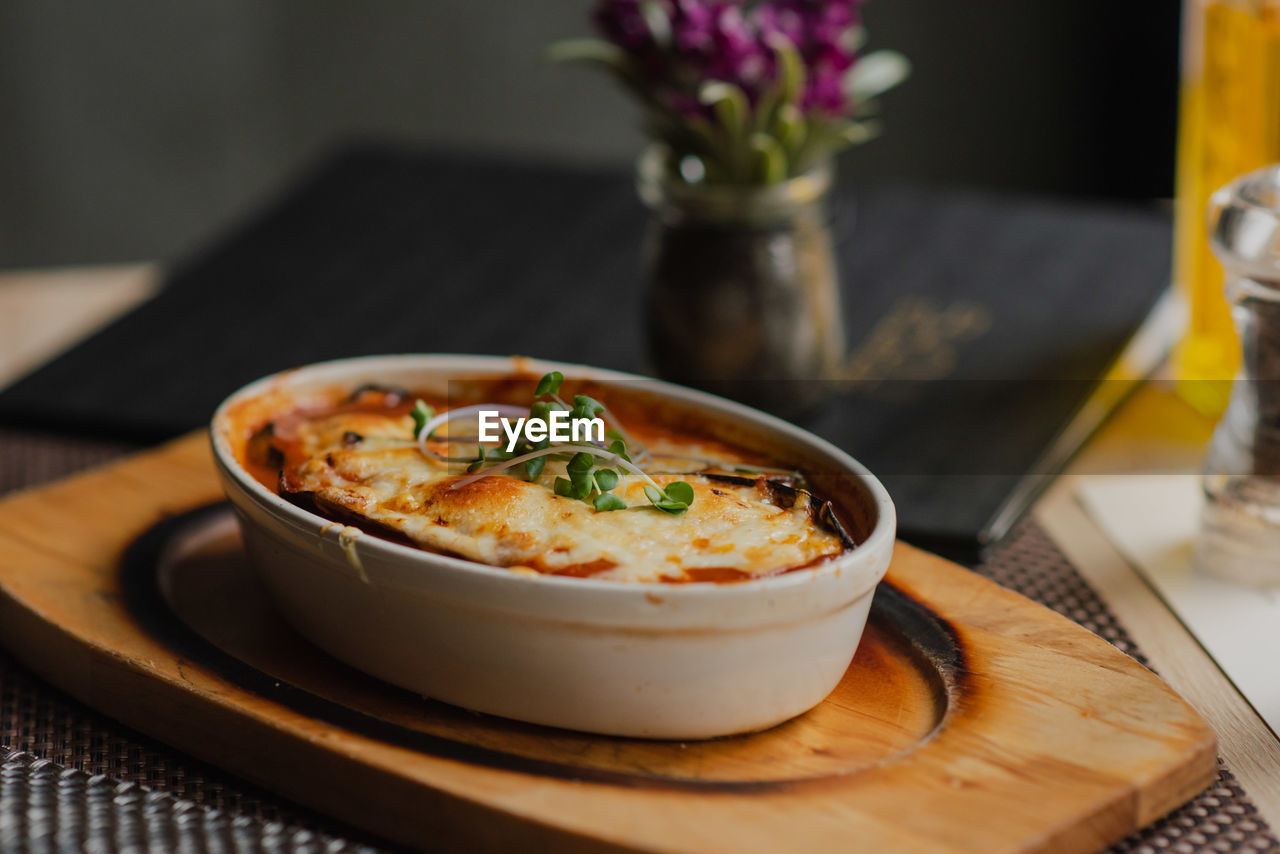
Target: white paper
1153, 521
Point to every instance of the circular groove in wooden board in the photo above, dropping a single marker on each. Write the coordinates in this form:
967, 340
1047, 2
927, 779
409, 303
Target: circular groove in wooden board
189, 582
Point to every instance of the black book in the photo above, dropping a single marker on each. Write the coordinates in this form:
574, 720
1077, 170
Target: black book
980, 327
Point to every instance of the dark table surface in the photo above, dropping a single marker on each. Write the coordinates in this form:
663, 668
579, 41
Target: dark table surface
383, 249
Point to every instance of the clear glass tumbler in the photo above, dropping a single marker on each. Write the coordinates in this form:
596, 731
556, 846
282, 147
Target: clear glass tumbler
1240, 538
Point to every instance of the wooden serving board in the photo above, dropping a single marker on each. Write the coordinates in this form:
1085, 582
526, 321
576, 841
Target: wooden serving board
971, 720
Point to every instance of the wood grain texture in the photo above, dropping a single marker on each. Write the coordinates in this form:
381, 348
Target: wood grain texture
1249, 749
1051, 740
890, 700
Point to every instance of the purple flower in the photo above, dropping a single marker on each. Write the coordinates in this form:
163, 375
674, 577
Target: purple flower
622, 22
825, 93
693, 27
731, 41
821, 31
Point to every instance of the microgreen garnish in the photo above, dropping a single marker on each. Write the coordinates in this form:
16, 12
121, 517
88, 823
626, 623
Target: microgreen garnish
591, 471
675, 499
608, 501
585, 407
422, 413
606, 479
549, 384
533, 468
681, 492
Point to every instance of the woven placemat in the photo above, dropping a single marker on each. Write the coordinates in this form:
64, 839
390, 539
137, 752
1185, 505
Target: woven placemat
72, 779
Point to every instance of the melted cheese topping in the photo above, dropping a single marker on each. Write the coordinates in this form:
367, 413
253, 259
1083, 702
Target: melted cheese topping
360, 467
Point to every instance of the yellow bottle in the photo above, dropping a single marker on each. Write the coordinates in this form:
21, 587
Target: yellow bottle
1229, 124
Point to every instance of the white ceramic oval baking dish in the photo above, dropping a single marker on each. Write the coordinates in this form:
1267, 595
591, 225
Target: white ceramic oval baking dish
655, 660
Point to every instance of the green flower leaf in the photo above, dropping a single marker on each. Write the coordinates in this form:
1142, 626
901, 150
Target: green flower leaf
771, 159
656, 19
581, 462
563, 487
791, 71
619, 447
790, 128
590, 52
606, 479
856, 133
729, 103
874, 74
581, 401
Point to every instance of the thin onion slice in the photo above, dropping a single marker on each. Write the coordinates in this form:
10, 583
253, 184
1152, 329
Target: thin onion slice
448, 415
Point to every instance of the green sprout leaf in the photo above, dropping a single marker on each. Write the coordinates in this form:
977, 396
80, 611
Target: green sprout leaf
479, 460
680, 491
607, 502
591, 472
675, 499
422, 413
533, 468
581, 401
583, 483
541, 410
549, 384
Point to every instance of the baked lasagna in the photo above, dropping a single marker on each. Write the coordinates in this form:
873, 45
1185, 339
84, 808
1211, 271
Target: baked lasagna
657, 501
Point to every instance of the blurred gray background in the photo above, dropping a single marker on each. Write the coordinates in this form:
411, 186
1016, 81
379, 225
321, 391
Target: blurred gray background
136, 129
